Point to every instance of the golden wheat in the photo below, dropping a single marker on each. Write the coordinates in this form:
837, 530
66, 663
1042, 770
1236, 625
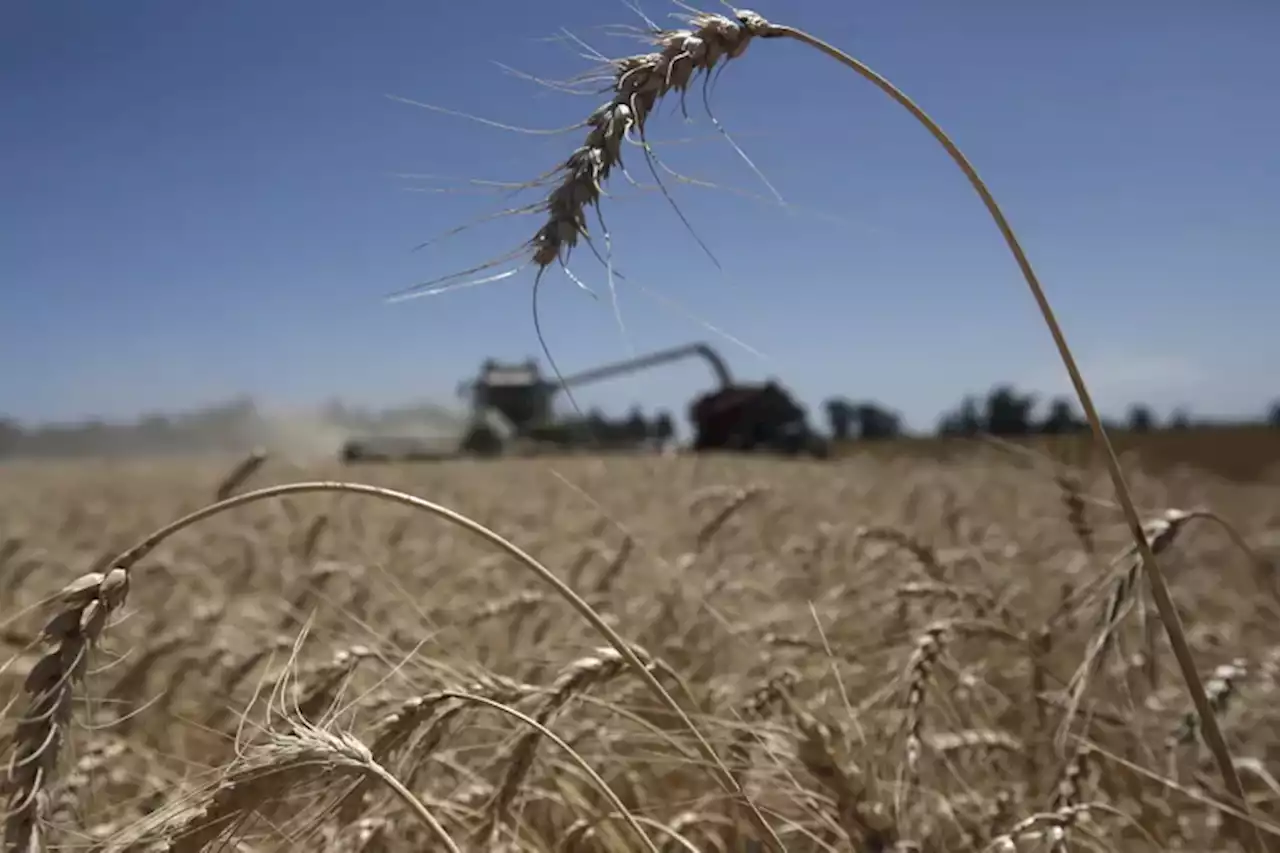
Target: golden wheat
199, 716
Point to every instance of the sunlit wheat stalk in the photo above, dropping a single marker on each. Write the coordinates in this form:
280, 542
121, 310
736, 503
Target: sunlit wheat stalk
284, 761
680, 57
89, 600
85, 606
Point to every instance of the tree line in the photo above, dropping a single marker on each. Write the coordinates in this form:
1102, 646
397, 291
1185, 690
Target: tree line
238, 425
1004, 411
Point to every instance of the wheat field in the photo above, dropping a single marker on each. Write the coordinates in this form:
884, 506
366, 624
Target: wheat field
883, 653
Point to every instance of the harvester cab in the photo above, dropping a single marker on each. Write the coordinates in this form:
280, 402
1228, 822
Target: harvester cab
517, 392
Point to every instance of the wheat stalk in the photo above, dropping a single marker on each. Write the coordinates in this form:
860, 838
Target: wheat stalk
284, 761
982, 700
680, 56
86, 605
96, 593
543, 731
580, 676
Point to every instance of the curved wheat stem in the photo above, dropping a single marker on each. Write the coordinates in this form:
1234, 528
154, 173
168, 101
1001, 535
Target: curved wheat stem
680, 56
86, 604
1159, 587
619, 807
726, 779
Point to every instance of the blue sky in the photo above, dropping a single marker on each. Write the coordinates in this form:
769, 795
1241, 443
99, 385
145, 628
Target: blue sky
203, 200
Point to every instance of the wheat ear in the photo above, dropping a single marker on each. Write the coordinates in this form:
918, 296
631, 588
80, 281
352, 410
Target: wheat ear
86, 603
619, 807
723, 776
240, 474
580, 676
681, 56
286, 760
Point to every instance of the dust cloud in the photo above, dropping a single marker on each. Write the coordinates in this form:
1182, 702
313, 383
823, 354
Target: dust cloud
299, 433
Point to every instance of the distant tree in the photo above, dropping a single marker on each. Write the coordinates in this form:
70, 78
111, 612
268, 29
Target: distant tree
1008, 412
1140, 419
1273, 417
11, 435
664, 428
876, 422
1180, 419
867, 420
1062, 419
840, 418
637, 427
964, 422
597, 426
152, 433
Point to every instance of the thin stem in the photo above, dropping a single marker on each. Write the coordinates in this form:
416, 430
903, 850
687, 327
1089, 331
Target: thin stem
1262, 569
1159, 588
415, 805
130, 558
620, 808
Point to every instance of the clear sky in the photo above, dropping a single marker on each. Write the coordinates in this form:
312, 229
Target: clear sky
199, 200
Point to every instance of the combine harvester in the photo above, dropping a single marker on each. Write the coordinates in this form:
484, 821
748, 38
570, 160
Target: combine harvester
512, 411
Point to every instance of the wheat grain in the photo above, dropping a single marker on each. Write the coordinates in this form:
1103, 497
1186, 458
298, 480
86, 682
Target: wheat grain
86, 605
